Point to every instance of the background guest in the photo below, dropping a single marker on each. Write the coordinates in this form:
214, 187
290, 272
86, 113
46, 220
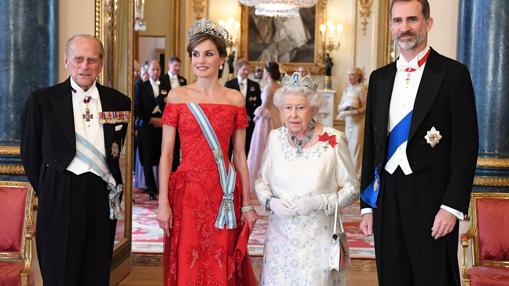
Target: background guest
251, 91
351, 109
267, 117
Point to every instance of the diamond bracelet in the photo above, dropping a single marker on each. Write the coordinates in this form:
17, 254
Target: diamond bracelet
247, 208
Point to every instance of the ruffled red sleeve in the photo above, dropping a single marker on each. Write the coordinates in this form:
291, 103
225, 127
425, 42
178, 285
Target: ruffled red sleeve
171, 114
241, 118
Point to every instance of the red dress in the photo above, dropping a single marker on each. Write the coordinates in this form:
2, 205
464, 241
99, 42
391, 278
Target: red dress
196, 252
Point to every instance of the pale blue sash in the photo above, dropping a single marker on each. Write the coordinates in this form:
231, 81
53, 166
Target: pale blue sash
226, 215
88, 154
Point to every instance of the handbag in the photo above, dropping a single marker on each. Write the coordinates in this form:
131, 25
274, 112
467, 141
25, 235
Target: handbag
339, 253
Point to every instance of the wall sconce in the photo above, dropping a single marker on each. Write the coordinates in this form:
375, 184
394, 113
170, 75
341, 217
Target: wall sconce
233, 28
139, 9
330, 35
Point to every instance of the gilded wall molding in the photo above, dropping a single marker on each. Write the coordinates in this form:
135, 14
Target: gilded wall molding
493, 162
199, 8
10, 150
365, 13
11, 169
484, 181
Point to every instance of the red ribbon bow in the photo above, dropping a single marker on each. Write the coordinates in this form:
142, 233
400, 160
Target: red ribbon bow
326, 138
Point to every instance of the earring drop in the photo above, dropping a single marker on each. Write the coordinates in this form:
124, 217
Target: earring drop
221, 67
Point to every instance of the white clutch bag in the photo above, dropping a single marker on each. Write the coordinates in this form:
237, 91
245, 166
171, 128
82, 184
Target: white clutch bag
339, 255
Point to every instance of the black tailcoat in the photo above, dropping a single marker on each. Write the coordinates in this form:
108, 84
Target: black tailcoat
48, 145
442, 174
253, 101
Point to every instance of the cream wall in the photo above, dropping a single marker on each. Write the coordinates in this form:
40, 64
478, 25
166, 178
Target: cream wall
74, 17
443, 36
159, 23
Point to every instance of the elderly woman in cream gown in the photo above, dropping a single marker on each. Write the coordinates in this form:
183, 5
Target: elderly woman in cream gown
352, 108
305, 171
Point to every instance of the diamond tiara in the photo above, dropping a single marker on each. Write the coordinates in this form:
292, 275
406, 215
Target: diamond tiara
295, 80
207, 26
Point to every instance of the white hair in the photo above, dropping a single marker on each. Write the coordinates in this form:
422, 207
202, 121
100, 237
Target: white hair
313, 97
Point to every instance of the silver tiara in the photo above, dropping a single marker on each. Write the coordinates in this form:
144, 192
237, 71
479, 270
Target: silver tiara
295, 80
207, 26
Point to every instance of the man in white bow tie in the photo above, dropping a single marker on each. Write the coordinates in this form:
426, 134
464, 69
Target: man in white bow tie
149, 107
420, 152
251, 91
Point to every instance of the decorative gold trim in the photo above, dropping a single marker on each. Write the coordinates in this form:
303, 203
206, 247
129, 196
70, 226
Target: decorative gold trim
25, 253
199, 9
384, 35
365, 12
493, 162
176, 27
11, 169
10, 150
472, 232
485, 181
316, 67
98, 28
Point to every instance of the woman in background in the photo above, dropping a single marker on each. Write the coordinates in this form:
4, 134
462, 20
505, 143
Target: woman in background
266, 118
351, 109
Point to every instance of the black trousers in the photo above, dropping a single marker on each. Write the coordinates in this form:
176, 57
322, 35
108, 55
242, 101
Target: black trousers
406, 253
74, 233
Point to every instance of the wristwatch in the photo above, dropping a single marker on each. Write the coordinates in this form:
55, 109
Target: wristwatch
267, 203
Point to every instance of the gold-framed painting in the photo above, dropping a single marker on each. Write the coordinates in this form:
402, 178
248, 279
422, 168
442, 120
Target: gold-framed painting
290, 41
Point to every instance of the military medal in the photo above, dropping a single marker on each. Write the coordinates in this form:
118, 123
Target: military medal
87, 115
114, 150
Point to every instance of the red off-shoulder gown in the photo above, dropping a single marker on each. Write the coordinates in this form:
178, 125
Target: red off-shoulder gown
196, 252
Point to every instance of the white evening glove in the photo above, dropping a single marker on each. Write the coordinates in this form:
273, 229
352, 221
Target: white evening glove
306, 205
281, 208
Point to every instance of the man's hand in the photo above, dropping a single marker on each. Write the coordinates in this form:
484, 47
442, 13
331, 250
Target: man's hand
155, 121
443, 225
366, 225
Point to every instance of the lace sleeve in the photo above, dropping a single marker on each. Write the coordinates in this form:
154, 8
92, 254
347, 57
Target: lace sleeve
241, 118
345, 179
170, 115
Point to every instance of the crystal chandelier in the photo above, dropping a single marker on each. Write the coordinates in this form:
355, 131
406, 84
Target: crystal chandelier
278, 8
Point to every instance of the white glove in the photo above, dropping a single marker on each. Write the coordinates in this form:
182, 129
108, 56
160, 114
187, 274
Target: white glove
306, 205
281, 208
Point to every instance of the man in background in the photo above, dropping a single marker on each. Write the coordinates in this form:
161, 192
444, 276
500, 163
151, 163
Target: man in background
251, 91
149, 107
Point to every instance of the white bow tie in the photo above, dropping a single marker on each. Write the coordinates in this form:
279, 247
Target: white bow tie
156, 82
243, 83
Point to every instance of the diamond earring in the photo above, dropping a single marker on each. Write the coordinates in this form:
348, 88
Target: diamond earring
221, 67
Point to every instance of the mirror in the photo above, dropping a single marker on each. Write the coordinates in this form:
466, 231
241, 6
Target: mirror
114, 27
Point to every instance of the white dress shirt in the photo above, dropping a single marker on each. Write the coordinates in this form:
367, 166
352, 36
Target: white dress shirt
242, 85
155, 89
403, 97
174, 80
92, 130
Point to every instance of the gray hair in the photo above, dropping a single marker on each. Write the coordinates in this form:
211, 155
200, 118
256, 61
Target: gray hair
84, 36
314, 98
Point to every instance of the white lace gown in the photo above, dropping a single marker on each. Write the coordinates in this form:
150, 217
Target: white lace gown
297, 249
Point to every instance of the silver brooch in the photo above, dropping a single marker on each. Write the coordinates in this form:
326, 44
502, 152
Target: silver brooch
115, 150
433, 137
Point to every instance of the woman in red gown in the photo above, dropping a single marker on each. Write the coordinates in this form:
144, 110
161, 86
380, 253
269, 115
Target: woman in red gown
196, 252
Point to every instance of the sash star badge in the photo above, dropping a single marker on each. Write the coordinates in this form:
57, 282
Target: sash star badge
433, 137
115, 150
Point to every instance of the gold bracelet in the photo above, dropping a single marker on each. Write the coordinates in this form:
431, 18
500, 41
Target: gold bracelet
247, 208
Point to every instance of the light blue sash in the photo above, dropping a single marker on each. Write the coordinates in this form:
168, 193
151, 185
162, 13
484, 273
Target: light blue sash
88, 154
226, 215
399, 135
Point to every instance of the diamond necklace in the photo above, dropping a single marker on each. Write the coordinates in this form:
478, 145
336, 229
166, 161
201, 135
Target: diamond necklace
301, 143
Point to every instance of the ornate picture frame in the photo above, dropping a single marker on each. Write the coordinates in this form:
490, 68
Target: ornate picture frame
260, 43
